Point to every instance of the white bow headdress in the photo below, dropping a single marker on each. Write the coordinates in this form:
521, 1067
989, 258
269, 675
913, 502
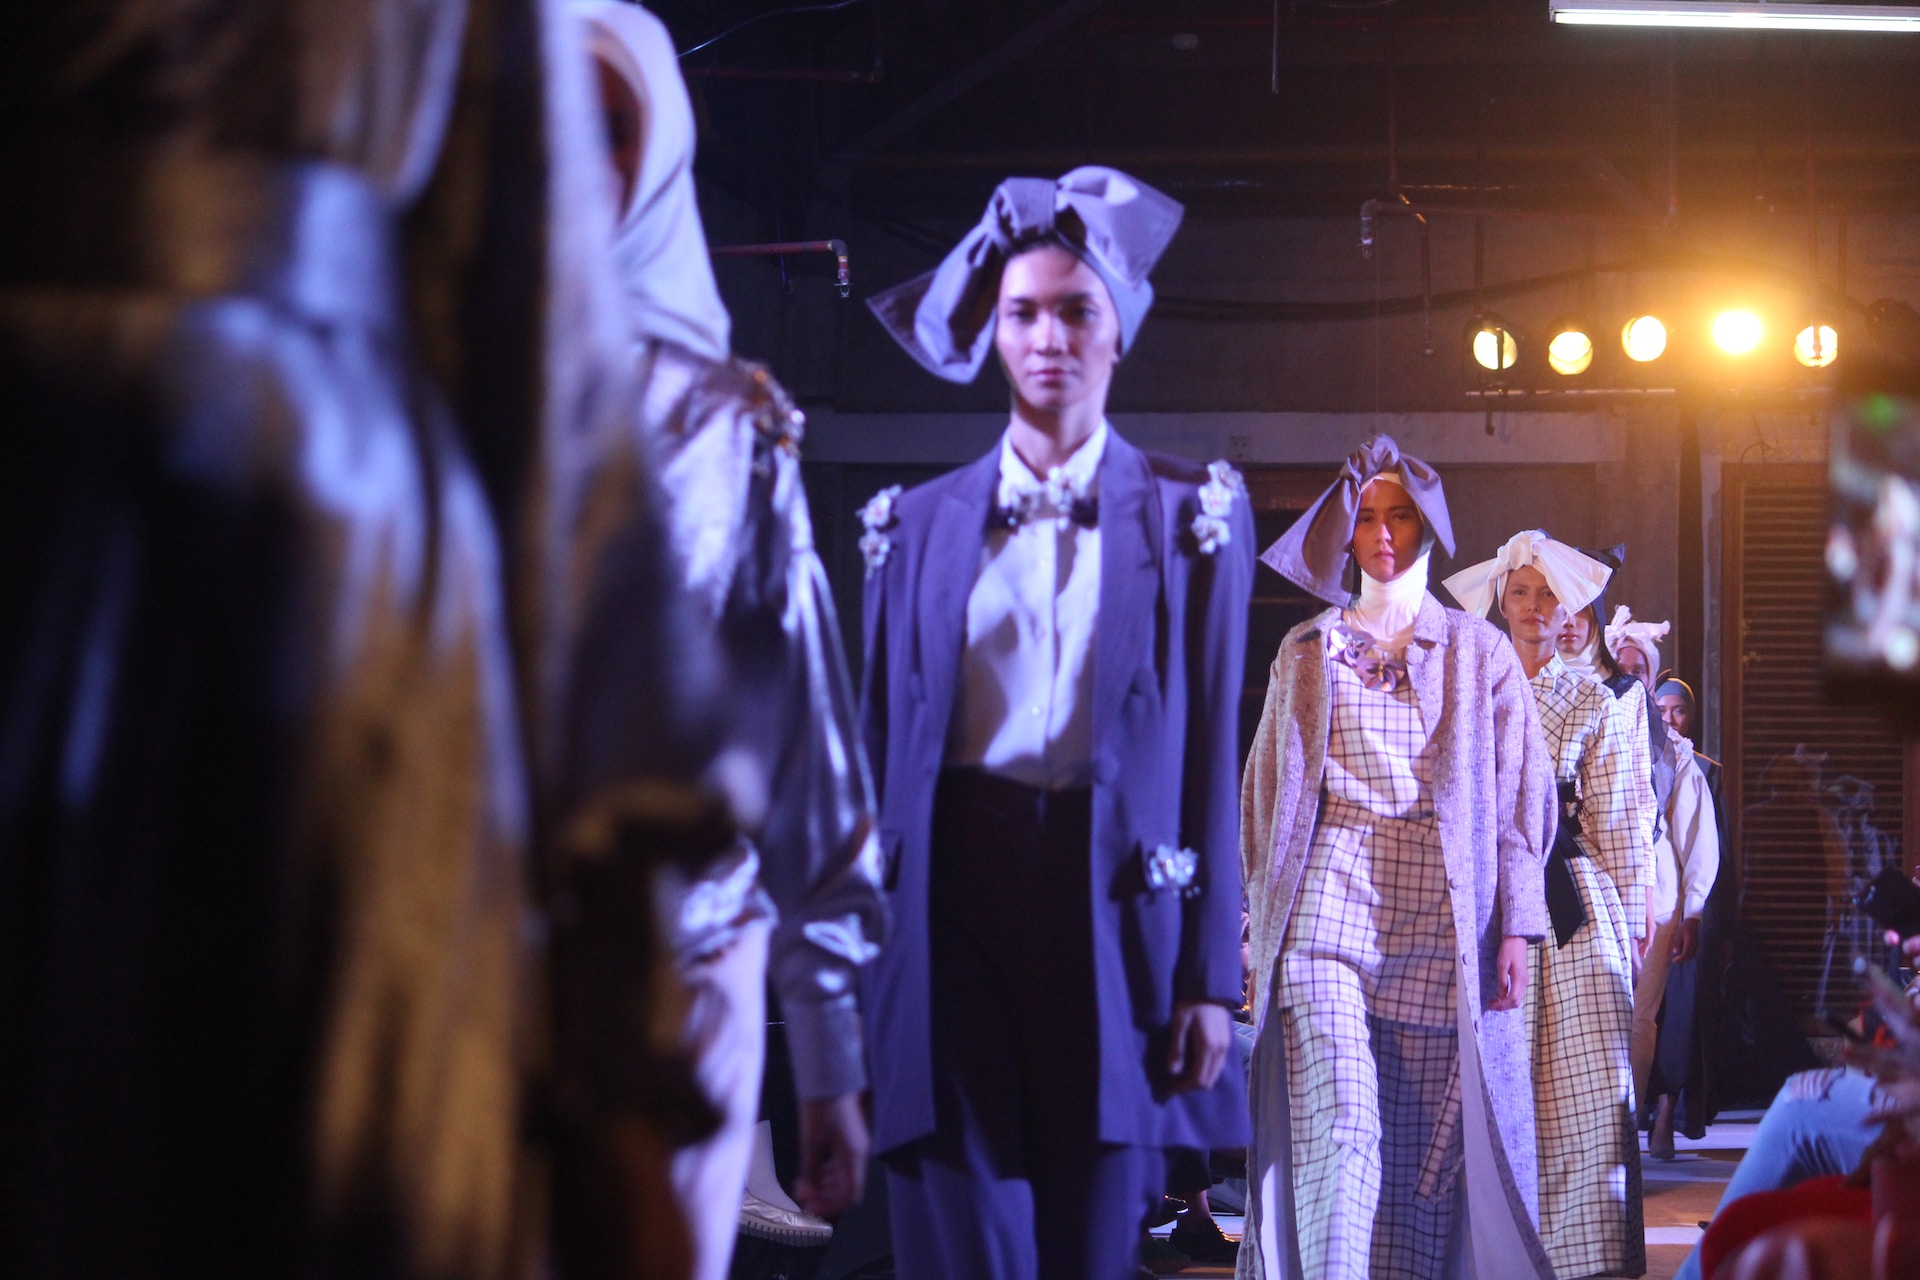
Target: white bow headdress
1573, 577
1645, 636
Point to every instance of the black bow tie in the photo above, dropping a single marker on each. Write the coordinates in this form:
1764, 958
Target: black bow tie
1084, 512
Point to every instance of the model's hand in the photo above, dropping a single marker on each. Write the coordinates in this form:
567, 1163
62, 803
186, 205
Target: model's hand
1202, 1035
1909, 947
1645, 945
833, 1155
1510, 973
1686, 941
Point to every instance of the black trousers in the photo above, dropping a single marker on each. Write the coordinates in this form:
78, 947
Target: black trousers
1014, 1184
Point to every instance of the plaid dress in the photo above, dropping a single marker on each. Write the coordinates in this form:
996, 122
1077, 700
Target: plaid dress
1580, 1001
1367, 985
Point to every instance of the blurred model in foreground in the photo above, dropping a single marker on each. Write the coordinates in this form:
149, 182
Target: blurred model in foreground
1395, 815
1580, 1014
1054, 649
305, 640
727, 441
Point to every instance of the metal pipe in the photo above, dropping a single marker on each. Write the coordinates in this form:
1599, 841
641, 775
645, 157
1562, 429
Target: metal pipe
1673, 134
828, 75
1374, 207
1393, 113
838, 248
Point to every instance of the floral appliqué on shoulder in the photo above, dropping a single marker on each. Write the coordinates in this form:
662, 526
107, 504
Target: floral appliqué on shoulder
879, 516
1210, 528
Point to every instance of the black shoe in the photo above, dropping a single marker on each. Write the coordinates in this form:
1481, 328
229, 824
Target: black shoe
1200, 1239
1159, 1256
1166, 1211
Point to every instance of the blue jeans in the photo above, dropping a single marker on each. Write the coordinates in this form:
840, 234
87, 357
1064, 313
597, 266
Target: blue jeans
1817, 1126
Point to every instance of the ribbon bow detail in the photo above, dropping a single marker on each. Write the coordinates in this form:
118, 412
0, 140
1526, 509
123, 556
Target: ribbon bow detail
1021, 499
1573, 577
1116, 224
1645, 636
1316, 548
1360, 653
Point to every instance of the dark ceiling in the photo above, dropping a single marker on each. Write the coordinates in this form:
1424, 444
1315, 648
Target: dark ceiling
905, 107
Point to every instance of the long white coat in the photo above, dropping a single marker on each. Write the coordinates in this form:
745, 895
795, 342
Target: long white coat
1494, 800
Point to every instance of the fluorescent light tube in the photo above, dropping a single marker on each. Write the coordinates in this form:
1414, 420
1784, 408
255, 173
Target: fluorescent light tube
1738, 15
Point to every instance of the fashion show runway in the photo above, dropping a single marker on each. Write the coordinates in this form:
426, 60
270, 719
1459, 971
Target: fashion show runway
1680, 1194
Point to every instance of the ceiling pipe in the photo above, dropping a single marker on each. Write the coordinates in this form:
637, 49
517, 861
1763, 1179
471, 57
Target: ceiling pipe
843, 280
820, 75
1376, 207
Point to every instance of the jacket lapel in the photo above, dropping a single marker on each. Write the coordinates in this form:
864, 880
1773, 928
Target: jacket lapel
950, 563
1129, 588
1426, 664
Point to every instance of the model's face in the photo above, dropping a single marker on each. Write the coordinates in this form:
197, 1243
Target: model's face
1386, 533
1635, 664
1576, 629
1675, 711
621, 110
1532, 611
1056, 330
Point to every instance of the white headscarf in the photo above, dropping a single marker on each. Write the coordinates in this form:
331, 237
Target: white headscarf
1572, 576
660, 249
1644, 636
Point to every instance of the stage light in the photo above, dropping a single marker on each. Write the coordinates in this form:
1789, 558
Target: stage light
1816, 346
1570, 351
1494, 346
1743, 15
1644, 339
1738, 333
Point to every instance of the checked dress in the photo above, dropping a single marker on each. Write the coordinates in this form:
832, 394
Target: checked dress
1580, 1003
1366, 992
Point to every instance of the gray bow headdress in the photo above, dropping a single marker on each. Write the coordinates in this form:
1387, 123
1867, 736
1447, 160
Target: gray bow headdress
1114, 223
1317, 549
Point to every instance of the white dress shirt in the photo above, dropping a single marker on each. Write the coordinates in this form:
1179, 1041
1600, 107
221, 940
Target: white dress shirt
1026, 677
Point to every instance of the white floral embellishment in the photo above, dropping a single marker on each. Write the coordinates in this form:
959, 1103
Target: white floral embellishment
879, 516
1210, 528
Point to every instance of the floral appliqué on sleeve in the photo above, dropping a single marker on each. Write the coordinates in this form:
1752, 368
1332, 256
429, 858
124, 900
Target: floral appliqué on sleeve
1210, 528
878, 516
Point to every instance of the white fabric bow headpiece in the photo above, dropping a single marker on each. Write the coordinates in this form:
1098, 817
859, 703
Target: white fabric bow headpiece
1644, 636
1573, 577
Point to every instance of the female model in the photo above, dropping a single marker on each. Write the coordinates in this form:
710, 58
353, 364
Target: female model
1395, 813
1055, 639
1581, 1013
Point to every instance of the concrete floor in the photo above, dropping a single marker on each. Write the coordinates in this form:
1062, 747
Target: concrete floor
1679, 1194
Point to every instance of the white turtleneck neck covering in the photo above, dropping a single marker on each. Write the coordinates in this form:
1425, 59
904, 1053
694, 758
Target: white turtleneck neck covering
1587, 662
1387, 610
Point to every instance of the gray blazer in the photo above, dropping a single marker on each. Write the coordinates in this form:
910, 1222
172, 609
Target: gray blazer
1494, 799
